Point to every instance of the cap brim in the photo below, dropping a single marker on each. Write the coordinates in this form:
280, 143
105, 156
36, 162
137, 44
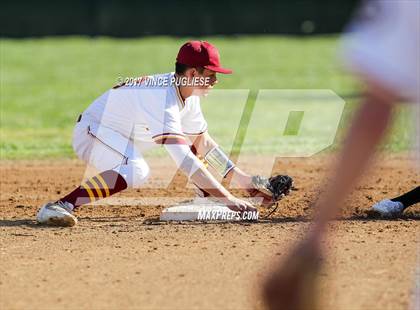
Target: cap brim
219, 69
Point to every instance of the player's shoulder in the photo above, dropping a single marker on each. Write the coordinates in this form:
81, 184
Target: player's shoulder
192, 102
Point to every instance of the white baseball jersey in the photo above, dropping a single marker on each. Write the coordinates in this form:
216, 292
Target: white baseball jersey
119, 125
150, 111
383, 45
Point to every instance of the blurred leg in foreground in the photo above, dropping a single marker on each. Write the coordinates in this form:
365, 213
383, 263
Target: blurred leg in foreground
292, 285
383, 53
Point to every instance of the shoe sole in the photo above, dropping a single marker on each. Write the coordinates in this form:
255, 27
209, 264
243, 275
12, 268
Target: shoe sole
63, 221
379, 215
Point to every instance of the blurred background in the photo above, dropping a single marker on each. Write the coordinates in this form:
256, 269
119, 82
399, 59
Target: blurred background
172, 17
56, 57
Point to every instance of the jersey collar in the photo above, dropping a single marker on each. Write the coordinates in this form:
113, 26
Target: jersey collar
180, 100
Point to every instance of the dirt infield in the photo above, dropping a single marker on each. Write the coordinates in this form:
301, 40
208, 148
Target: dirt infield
121, 257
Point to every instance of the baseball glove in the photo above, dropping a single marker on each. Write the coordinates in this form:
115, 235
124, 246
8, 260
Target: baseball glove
275, 187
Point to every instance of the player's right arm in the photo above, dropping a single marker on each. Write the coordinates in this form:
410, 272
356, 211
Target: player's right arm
200, 176
161, 112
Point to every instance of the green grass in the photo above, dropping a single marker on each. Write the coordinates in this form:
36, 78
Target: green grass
46, 83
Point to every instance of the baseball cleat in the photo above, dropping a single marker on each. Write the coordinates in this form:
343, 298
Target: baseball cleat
388, 208
56, 214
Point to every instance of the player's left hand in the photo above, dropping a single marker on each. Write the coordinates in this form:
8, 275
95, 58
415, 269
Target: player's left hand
292, 284
270, 190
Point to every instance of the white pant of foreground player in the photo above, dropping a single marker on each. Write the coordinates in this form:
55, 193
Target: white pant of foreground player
110, 153
106, 149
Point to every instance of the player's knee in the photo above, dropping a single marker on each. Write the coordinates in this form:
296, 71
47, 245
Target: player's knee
136, 172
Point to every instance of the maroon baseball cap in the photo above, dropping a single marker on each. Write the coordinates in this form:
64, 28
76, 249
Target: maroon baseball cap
201, 54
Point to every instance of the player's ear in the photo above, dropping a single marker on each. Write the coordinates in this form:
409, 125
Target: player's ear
194, 72
191, 72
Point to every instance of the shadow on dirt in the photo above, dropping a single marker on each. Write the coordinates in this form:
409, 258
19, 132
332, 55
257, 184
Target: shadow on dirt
297, 219
369, 216
25, 222
108, 219
141, 221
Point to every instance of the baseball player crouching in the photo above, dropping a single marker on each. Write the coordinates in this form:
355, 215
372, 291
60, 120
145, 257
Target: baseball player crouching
164, 109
